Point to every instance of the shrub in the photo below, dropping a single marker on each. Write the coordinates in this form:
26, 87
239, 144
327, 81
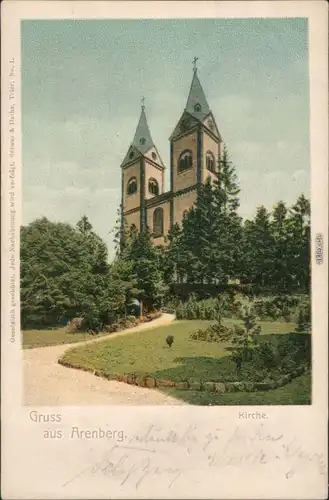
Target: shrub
199, 334
170, 340
213, 333
74, 325
179, 311
266, 355
154, 315
284, 307
129, 324
131, 318
109, 328
226, 304
116, 327
304, 317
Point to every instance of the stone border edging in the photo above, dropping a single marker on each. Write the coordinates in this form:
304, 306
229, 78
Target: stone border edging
218, 387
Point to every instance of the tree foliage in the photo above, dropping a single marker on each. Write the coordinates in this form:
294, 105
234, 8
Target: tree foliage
212, 245
65, 273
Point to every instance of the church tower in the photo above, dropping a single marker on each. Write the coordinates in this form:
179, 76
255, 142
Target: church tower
142, 175
194, 150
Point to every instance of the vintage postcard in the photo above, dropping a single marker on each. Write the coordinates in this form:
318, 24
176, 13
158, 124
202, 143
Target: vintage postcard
164, 250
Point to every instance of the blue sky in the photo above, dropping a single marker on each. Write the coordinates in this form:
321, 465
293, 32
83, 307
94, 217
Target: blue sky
82, 83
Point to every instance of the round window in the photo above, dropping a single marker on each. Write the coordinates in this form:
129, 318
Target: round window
142, 141
154, 156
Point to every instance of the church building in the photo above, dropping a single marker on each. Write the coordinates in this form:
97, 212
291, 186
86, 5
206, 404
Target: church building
194, 155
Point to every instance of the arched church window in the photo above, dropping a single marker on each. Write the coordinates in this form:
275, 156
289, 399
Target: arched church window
131, 155
210, 161
158, 222
142, 141
185, 213
185, 161
132, 186
197, 108
153, 187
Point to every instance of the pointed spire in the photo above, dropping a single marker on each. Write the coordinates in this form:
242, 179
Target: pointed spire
143, 140
197, 104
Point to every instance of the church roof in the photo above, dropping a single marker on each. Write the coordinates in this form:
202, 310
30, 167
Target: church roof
197, 104
143, 140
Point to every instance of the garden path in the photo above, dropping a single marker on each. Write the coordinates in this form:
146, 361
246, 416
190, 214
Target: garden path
48, 383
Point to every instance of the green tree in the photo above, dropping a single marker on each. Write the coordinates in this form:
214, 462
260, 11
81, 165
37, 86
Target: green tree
84, 225
172, 258
281, 273
241, 341
299, 230
226, 242
120, 232
196, 241
63, 272
226, 185
258, 243
146, 267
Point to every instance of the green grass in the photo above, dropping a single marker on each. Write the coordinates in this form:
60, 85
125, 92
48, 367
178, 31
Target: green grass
297, 392
43, 338
146, 352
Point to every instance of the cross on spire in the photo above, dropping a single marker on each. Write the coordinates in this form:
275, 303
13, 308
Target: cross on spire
143, 102
194, 64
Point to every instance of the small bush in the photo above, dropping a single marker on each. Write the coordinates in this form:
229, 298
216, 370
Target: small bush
266, 355
131, 319
170, 340
74, 325
226, 304
116, 327
213, 333
304, 317
109, 328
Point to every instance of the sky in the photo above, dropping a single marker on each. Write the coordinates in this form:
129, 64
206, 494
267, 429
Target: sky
82, 84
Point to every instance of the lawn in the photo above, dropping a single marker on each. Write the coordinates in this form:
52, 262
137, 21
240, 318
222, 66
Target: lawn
146, 353
43, 338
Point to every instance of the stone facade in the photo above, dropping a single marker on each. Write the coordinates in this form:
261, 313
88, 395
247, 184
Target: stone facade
194, 156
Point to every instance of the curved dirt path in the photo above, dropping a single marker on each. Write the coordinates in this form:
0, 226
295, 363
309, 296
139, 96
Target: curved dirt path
48, 383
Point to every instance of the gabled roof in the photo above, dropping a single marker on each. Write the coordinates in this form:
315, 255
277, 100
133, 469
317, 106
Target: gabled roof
187, 119
197, 104
132, 154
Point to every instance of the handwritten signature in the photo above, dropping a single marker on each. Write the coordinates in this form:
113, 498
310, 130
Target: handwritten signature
140, 461
130, 464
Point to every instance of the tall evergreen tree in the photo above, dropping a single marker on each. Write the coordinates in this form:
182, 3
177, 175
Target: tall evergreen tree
84, 225
281, 276
172, 256
120, 232
226, 248
145, 260
198, 227
258, 246
298, 227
